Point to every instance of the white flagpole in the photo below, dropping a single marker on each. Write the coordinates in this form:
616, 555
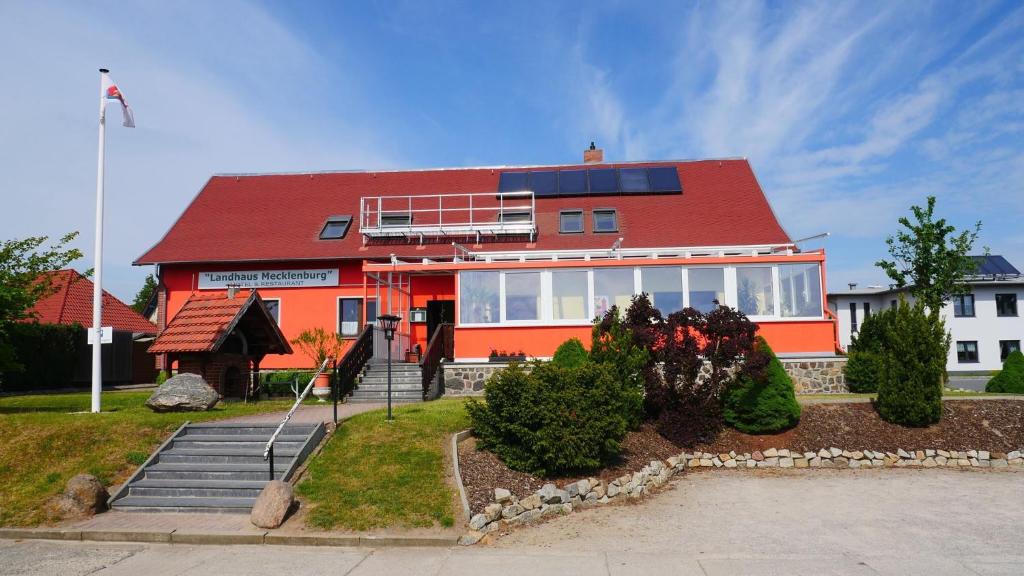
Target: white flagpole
97, 293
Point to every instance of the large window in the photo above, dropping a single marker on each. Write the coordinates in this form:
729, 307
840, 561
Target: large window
478, 297
967, 351
569, 295
963, 305
1006, 304
1007, 347
349, 316
612, 287
706, 287
664, 284
754, 290
800, 290
522, 295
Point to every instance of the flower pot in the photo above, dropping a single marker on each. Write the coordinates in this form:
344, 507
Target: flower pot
322, 386
412, 357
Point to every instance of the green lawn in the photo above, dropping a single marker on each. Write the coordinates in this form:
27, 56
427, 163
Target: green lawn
48, 438
375, 474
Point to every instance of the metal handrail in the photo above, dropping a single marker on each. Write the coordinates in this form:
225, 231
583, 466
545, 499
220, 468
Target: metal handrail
440, 347
268, 452
371, 209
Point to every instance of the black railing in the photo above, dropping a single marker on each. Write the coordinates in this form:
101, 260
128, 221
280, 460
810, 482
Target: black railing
441, 347
350, 365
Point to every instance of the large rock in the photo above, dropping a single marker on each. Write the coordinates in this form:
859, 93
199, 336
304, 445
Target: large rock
183, 393
272, 505
84, 495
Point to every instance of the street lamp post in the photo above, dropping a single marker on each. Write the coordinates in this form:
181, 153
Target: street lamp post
388, 323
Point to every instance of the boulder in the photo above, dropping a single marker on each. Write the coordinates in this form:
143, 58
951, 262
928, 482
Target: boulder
84, 495
272, 505
183, 393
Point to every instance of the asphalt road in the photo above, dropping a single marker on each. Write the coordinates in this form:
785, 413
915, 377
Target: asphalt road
906, 522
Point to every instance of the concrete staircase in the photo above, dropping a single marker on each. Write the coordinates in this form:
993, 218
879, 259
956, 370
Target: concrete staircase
406, 383
215, 467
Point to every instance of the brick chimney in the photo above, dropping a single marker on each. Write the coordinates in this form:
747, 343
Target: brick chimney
593, 155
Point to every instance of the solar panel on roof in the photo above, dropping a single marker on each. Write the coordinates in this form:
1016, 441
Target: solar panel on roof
994, 265
633, 180
543, 183
512, 181
603, 181
572, 182
664, 179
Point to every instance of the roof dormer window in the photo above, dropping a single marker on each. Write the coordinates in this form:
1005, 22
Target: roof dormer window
335, 228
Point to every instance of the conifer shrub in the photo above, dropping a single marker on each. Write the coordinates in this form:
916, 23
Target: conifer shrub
571, 354
913, 367
863, 369
1009, 380
761, 400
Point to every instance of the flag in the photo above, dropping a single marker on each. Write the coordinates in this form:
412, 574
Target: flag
112, 92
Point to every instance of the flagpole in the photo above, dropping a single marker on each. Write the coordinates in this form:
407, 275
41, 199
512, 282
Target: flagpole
97, 292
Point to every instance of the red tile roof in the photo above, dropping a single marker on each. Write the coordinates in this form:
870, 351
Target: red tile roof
279, 217
205, 320
71, 303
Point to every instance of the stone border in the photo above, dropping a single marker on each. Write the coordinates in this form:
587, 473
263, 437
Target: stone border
839, 458
229, 538
456, 438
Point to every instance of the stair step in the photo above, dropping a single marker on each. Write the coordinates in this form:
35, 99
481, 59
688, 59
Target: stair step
248, 430
186, 503
280, 447
212, 475
358, 400
185, 483
240, 437
136, 490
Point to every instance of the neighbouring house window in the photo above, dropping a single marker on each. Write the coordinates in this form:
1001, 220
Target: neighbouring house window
1006, 304
892, 303
569, 294
664, 285
706, 287
1007, 347
867, 310
570, 221
478, 297
967, 351
800, 290
853, 316
612, 287
522, 295
606, 221
963, 305
274, 307
754, 290
349, 321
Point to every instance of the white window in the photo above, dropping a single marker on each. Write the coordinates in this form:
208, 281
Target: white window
569, 295
522, 296
754, 290
478, 297
349, 321
800, 290
664, 285
706, 288
612, 287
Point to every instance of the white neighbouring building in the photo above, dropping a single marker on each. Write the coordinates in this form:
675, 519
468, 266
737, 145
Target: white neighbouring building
985, 325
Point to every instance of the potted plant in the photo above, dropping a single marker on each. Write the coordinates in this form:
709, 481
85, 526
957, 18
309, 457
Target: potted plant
319, 344
503, 356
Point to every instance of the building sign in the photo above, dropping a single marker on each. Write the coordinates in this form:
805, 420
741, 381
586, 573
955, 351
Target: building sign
269, 278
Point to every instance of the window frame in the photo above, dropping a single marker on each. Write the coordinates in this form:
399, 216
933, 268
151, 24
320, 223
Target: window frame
999, 312
339, 308
1002, 348
773, 271
522, 216
278, 300
959, 357
563, 213
961, 300
405, 215
853, 318
615, 216
346, 219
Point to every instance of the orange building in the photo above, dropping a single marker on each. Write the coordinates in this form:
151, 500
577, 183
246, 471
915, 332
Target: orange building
518, 259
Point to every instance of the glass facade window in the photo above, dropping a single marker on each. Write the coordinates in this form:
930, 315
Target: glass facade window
522, 295
612, 287
754, 290
800, 290
1007, 347
967, 351
349, 312
706, 287
569, 295
963, 305
1006, 304
664, 285
478, 297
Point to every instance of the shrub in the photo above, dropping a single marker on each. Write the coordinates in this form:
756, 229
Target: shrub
552, 420
1011, 378
863, 370
762, 399
571, 354
45, 355
162, 377
913, 367
612, 346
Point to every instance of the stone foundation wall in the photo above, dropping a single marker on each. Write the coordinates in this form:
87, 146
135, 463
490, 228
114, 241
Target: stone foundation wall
810, 376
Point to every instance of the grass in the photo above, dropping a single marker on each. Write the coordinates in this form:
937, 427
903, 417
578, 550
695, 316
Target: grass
375, 474
48, 438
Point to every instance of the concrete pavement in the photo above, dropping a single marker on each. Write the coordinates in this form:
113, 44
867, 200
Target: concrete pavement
929, 522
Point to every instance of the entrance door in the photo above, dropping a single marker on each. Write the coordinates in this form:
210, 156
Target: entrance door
439, 312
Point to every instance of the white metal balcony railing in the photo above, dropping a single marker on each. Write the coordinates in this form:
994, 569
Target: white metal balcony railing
486, 213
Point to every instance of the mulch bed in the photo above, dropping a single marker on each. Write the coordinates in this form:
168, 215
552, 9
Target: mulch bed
995, 425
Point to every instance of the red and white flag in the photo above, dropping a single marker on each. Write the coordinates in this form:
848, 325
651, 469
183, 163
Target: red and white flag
112, 92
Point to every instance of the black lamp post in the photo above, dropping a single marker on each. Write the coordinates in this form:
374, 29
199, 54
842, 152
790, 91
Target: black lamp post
388, 323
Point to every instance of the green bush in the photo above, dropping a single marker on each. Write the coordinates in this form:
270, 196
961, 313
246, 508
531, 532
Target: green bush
614, 348
571, 354
863, 370
1009, 380
552, 420
762, 401
913, 367
45, 355
162, 377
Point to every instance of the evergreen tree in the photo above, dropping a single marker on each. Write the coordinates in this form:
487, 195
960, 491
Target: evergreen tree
144, 294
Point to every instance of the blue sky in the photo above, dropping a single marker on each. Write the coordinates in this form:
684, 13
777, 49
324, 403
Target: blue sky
849, 112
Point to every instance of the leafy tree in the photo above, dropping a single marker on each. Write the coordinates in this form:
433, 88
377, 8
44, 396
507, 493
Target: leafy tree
930, 257
22, 283
761, 400
144, 294
913, 367
1011, 378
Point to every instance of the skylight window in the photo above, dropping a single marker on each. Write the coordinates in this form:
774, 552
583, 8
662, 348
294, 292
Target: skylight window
514, 216
335, 228
395, 219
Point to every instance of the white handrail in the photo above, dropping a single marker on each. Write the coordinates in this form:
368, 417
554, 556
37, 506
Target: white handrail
288, 416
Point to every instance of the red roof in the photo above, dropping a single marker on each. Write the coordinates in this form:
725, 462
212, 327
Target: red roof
71, 303
279, 217
205, 320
